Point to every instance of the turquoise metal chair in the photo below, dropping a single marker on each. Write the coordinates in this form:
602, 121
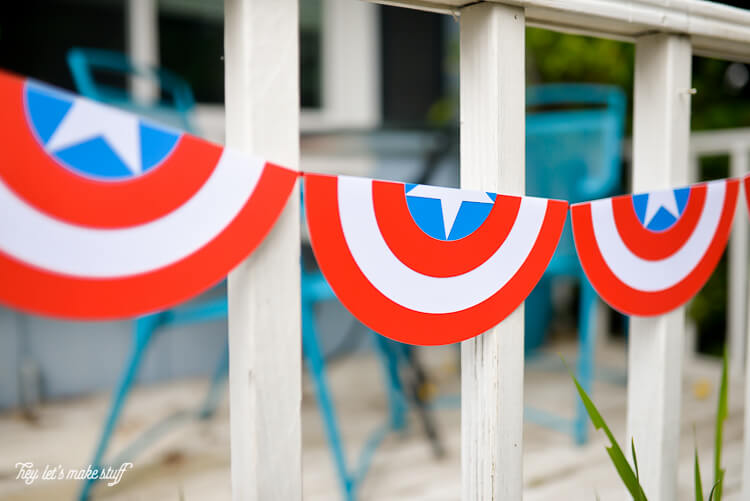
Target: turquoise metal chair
174, 106
574, 138
176, 110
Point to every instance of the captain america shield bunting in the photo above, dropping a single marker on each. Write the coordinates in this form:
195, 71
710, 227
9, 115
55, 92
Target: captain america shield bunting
649, 253
427, 265
107, 215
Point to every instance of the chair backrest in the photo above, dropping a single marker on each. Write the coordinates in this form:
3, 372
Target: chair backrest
173, 107
573, 149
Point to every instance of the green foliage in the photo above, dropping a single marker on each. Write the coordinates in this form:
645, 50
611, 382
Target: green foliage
559, 57
635, 464
717, 105
713, 490
630, 477
697, 474
721, 416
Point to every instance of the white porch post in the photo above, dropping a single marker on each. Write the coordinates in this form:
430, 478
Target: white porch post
262, 103
746, 438
661, 130
143, 44
737, 296
739, 273
492, 159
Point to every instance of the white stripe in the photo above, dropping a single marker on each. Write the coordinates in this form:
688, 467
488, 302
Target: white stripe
651, 276
424, 293
40, 240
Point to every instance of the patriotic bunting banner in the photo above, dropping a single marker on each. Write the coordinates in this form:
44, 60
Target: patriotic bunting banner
649, 253
427, 265
105, 214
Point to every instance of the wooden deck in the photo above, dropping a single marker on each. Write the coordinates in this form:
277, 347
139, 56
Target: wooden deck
192, 461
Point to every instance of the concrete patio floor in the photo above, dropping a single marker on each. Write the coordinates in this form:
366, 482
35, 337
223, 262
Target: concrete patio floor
191, 462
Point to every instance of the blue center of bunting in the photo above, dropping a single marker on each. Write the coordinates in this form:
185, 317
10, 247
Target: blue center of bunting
660, 210
94, 140
447, 213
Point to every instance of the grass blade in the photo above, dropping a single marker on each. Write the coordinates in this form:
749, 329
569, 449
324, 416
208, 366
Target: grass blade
721, 415
628, 476
635, 460
698, 483
713, 491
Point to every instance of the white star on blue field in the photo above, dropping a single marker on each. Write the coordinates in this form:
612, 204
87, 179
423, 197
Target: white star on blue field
660, 210
94, 140
447, 213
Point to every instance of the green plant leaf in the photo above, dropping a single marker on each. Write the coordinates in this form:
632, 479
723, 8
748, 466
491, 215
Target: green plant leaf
635, 460
628, 476
698, 483
721, 415
713, 491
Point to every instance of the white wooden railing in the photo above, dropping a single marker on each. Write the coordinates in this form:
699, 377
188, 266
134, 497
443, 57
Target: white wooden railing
734, 143
261, 59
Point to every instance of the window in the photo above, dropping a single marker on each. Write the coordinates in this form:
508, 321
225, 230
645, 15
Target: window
35, 35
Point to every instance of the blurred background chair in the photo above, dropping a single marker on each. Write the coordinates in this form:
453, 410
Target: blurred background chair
574, 138
95, 72
173, 105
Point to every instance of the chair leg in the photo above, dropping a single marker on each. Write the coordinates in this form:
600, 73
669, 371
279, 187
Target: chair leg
586, 356
211, 402
316, 366
144, 329
388, 354
417, 381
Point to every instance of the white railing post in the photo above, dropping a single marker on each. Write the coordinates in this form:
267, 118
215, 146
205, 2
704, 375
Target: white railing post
690, 344
142, 20
737, 274
492, 159
262, 103
746, 436
661, 130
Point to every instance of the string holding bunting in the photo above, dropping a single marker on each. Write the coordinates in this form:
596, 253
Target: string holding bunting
107, 214
649, 253
427, 265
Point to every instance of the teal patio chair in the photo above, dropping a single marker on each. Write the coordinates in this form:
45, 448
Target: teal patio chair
574, 138
174, 107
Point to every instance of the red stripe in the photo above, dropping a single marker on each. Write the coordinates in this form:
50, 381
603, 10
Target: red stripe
35, 290
37, 177
636, 302
430, 256
747, 191
653, 245
384, 316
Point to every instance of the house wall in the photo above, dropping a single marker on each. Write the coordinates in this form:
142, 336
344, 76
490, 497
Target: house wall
75, 358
